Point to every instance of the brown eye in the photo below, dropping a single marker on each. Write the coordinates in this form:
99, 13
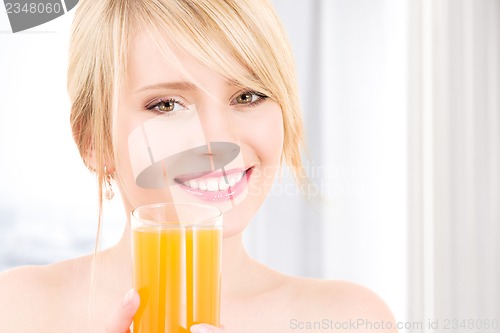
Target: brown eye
166, 106
248, 98
245, 98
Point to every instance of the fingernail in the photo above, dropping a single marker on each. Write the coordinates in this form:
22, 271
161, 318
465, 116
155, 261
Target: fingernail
200, 329
128, 297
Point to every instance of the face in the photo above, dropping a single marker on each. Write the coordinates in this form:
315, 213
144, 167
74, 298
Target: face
182, 132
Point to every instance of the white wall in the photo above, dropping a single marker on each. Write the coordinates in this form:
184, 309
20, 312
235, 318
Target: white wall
47, 197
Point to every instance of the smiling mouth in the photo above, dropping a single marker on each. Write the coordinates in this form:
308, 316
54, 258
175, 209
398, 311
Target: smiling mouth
216, 186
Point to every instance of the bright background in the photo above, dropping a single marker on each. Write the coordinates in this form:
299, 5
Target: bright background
400, 100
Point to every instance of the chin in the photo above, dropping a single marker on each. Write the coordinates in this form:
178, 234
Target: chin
236, 220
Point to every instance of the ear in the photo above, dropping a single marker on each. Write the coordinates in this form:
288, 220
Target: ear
90, 160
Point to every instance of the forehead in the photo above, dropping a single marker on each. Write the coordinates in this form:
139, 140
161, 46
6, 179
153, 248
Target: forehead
154, 60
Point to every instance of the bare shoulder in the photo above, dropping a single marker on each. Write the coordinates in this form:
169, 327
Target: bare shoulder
340, 305
21, 292
30, 296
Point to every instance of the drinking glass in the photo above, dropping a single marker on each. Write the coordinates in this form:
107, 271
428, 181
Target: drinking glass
176, 266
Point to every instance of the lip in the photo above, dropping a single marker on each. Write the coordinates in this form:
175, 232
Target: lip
230, 193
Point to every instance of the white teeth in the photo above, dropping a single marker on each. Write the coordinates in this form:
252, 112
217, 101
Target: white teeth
212, 184
223, 185
232, 180
239, 176
215, 183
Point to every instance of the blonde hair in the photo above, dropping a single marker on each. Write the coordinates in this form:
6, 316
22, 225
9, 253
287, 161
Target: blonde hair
216, 32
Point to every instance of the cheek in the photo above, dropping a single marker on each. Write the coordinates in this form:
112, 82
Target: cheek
271, 138
264, 140
132, 194
265, 136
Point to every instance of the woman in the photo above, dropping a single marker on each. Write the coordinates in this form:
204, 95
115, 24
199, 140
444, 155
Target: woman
132, 61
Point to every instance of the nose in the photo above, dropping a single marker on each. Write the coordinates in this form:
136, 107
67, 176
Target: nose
219, 153
195, 161
218, 125
220, 131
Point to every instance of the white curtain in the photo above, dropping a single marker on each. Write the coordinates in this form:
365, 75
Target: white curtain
455, 159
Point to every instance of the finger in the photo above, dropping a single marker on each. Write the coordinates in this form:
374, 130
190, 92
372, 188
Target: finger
122, 317
205, 328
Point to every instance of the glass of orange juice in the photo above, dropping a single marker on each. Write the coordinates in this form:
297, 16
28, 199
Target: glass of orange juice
176, 266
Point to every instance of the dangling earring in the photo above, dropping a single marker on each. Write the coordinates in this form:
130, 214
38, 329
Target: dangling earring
109, 194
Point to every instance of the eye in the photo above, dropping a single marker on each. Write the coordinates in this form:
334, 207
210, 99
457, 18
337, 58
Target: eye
166, 105
248, 98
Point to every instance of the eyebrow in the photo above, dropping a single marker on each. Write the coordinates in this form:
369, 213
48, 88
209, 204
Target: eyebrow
181, 85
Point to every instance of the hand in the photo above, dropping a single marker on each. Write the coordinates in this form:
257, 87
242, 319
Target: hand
205, 328
122, 317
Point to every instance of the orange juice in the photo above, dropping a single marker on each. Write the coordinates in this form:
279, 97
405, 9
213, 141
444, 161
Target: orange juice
177, 274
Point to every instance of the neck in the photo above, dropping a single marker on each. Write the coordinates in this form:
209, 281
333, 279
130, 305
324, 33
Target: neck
236, 265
